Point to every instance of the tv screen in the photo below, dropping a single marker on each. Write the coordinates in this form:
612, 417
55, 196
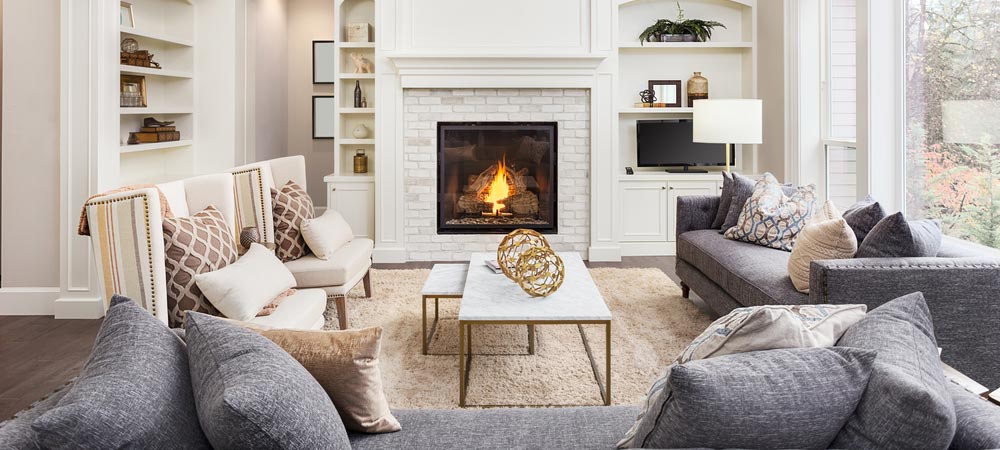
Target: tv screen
669, 143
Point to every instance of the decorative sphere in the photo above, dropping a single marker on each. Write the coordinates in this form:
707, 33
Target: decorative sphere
540, 271
513, 245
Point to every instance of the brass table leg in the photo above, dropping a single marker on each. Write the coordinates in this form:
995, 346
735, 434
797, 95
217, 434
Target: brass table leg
531, 339
461, 364
607, 351
423, 334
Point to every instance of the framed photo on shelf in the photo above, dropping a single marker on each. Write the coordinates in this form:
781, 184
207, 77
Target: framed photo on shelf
668, 93
324, 56
132, 91
126, 17
323, 116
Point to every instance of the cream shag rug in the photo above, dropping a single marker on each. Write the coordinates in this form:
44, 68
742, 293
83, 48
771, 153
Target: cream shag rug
651, 324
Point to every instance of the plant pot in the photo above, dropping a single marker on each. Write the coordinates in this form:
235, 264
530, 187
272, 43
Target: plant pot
672, 38
689, 38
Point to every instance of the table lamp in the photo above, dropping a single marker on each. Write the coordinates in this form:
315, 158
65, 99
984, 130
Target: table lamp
728, 121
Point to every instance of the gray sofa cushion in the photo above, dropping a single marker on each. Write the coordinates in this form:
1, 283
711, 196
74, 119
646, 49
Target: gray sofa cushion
725, 199
16, 433
251, 394
134, 391
501, 429
978, 421
741, 191
786, 398
907, 404
752, 274
895, 237
863, 216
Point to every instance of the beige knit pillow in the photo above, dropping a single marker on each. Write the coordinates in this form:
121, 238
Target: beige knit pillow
831, 238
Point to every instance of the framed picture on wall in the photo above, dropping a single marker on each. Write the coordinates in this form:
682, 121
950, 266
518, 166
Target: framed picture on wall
126, 17
668, 93
323, 111
324, 56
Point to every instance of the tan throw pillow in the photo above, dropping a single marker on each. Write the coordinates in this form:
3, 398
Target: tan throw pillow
827, 239
292, 206
346, 364
193, 245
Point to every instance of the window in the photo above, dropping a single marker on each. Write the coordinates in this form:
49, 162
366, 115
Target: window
840, 101
953, 116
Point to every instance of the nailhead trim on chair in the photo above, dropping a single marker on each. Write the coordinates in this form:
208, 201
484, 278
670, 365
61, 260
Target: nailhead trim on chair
260, 190
149, 243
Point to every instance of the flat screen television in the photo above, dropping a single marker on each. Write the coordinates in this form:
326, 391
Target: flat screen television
669, 143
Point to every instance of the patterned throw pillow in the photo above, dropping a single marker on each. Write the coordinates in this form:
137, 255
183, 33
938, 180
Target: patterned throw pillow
772, 219
292, 206
192, 245
828, 236
750, 329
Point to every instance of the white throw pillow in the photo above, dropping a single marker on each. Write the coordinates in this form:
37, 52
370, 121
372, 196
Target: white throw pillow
325, 234
240, 290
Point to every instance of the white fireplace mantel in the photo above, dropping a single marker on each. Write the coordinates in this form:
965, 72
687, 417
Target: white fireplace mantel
467, 70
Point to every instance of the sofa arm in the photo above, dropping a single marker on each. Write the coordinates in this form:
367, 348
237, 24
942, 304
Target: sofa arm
963, 295
696, 212
126, 235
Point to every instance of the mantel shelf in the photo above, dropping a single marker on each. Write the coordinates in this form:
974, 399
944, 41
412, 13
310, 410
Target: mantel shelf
746, 3
685, 45
447, 62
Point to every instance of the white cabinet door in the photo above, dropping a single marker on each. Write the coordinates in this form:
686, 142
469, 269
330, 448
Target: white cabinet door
644, 217
678, 188
356, 202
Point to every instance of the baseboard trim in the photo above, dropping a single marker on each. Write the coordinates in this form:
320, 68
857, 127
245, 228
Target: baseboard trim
28, 301
649, 248
389, 255
605, 254
78, 308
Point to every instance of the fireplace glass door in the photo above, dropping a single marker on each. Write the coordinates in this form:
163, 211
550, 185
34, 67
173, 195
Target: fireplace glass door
494, 177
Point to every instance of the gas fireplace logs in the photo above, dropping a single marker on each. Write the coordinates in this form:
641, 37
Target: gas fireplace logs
498, 192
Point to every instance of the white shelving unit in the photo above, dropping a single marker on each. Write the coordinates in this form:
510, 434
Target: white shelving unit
165, 28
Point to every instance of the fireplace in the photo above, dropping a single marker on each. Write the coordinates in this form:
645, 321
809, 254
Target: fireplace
494, 177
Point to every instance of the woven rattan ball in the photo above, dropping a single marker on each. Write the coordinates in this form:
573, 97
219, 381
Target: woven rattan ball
513, 245
540, 271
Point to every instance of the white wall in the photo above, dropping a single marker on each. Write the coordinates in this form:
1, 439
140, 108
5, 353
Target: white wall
771, 85
216, 106
29, 242
270, 47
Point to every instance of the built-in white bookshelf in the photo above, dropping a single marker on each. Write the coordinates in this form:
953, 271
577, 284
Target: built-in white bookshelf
165, 28
348, 116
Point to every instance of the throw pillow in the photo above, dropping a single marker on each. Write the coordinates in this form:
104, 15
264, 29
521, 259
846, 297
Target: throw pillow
827, 212
758, 328
772, 219
742, 189
242, 289
326, 234
829, 239
725, 199
907, 403
292, 205
863, 216
346, 365
133, 392
786, 398
251, 394
193, 245
895, 237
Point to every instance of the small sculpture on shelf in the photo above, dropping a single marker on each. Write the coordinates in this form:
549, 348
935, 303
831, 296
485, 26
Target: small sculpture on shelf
648, 97
362, 64
132, 56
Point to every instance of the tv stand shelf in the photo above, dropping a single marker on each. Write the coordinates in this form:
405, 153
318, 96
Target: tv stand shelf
649, 208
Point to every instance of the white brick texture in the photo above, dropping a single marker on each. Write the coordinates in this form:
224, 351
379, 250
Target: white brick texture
423, 108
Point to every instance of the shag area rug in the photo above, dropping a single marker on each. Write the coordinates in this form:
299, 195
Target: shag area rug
651, 324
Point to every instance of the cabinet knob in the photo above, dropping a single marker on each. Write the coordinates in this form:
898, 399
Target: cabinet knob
671, 188
333, 189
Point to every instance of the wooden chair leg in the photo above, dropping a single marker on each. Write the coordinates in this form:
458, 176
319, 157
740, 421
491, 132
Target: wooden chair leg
367, 280
685, 290
341, 303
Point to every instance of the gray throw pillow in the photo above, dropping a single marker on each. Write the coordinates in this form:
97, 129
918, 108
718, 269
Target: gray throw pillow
787, 398
133, 392
251, 394
742, 190
895, 237
907, 403
863, 216
725, 199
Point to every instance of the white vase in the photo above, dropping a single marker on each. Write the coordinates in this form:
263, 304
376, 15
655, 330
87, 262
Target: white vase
360, 131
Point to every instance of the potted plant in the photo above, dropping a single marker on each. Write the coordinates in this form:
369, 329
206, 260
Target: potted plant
680, 30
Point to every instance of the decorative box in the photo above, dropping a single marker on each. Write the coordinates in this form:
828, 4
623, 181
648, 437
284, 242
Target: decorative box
360, 32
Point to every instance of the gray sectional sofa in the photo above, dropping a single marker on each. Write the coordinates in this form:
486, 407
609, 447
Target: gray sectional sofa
961, 285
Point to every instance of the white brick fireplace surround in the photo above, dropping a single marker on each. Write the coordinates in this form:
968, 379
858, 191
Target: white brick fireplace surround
424, 108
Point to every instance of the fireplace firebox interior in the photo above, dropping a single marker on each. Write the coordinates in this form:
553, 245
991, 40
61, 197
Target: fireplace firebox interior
494, 177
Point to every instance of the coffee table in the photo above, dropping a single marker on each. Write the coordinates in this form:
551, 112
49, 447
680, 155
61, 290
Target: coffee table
493, 299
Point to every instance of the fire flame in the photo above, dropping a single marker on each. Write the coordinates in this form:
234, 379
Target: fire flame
499, 189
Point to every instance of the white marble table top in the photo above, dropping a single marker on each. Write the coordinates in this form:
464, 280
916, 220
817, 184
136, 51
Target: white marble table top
494, 297
446, 279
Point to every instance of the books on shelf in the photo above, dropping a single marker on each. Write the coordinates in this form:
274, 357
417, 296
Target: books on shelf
150, 137
493, 265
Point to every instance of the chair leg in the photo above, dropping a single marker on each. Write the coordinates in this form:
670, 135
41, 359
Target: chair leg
367, 280
341, 303
685, 290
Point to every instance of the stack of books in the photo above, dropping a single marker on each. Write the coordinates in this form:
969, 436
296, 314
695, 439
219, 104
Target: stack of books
149, 135
493, 265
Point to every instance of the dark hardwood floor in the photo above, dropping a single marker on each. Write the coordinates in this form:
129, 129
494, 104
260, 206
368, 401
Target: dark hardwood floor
38, 354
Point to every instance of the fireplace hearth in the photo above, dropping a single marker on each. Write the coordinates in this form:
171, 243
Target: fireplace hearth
494, 177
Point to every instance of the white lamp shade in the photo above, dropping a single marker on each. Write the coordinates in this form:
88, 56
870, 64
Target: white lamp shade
728, 121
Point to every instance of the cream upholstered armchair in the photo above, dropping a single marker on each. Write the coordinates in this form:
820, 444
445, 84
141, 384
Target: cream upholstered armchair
126, 232
338, 275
